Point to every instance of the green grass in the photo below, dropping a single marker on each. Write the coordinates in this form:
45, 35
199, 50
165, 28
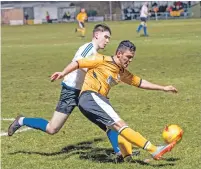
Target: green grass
171, 55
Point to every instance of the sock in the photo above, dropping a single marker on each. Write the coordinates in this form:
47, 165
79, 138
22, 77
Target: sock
150, 147
139, 28
125, 146
20, 121
137, 139
83, 32
145, 30
36, 123
113, 137
79, 30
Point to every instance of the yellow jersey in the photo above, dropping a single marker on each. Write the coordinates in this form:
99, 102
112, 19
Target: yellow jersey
103, 73
81, 17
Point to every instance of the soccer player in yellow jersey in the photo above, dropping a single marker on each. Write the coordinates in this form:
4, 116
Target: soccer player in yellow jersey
103, 74
71, 88
81, 18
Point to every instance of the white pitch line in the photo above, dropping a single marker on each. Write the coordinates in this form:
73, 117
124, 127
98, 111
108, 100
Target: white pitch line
40, 45
19, 131
7, 119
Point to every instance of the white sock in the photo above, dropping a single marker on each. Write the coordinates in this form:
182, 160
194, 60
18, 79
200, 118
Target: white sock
20, 121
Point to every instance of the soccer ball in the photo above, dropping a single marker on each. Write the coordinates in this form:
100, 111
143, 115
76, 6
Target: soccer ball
172, 133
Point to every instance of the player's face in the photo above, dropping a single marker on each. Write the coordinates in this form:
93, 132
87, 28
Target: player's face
103, 39
83, 10
125, 58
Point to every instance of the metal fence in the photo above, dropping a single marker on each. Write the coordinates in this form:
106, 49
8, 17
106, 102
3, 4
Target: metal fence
154, 16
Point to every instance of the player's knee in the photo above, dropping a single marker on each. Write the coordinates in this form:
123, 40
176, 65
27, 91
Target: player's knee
118, 126
52, 130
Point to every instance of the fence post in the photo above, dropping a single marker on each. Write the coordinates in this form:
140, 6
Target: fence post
110, 5
156, 16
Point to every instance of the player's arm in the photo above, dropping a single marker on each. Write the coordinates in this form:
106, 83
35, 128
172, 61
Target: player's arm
68, 69
129, 78
146, 12
151, 86
89, 63
134, 80
82, 63
78, 17
86, 17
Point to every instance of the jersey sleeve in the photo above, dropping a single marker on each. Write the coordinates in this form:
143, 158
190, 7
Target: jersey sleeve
78, 17
86, 16
89, 63
85, 51
130, 79
89, 53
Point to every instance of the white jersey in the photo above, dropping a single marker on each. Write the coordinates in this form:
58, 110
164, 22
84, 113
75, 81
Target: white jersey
75, 79
144, 11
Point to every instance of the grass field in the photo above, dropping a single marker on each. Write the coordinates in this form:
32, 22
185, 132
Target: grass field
171, 55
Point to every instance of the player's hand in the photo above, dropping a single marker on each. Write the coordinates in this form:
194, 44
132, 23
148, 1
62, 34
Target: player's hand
170, 89
56, 76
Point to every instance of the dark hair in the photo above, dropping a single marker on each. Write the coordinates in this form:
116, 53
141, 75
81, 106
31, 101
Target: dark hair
101, 28
126, 45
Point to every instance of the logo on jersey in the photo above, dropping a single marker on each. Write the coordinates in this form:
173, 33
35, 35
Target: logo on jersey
112, 81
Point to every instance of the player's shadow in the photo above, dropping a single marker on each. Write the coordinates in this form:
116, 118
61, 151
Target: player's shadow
89, 151
85, 150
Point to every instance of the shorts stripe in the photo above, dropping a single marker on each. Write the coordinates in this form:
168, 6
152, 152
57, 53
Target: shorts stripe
87, 49
106, 107
81, 25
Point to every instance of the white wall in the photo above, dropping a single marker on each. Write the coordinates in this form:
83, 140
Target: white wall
40, 12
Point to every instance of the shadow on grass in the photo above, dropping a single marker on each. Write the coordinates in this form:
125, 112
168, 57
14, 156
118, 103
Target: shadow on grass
153, 165
86, 145
85, 150
88, 151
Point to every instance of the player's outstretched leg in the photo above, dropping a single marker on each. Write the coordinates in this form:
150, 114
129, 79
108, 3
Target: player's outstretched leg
36, 123
51, 127
137, 139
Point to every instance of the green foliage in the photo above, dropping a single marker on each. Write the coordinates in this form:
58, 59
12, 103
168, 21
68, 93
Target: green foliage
171, 55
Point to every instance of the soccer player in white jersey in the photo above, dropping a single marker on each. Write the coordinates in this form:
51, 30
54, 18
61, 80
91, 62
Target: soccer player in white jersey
144, 13
70, 91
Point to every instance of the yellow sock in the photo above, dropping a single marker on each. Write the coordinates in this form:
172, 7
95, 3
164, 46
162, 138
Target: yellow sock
125, 146
79, 30
151, 148
83, 32
137, 139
